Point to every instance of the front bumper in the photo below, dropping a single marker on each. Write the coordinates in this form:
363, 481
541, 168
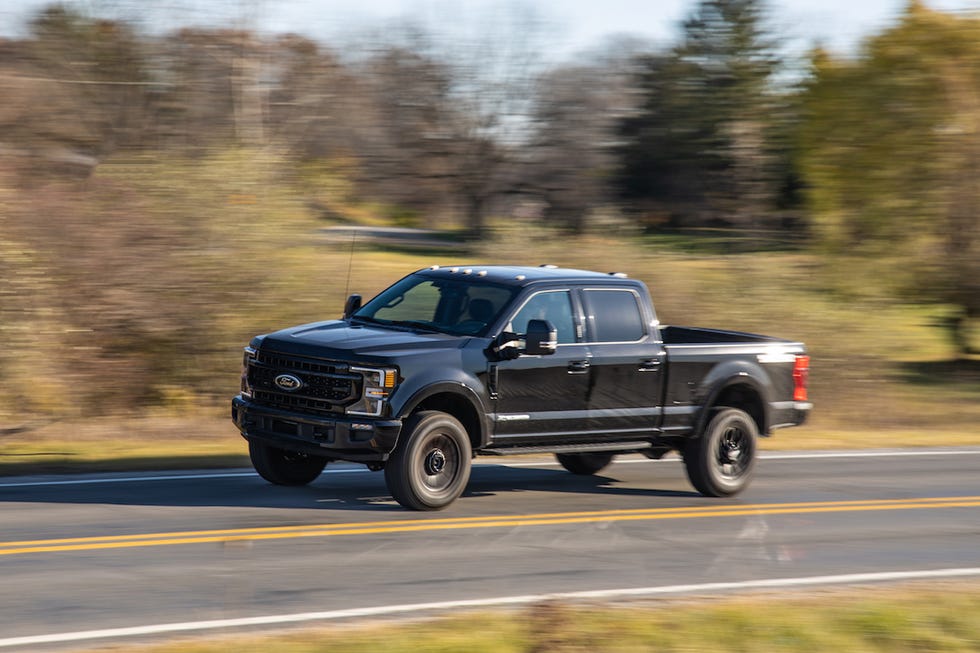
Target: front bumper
353, 439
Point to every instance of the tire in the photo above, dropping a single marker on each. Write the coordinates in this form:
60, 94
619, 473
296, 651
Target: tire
584, 464
721, 461
430, 467
283, 467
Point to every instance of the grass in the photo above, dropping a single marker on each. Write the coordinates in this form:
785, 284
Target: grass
936, 618
140, 372
205, 440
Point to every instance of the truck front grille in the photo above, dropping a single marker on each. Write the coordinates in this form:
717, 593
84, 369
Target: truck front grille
326, 387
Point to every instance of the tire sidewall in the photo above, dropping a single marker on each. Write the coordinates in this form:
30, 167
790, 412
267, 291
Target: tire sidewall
585, 464
724, 420
704, 468
405, 470
282, 467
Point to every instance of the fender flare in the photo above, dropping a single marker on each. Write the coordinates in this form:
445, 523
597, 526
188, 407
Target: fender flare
467, 394
741, 378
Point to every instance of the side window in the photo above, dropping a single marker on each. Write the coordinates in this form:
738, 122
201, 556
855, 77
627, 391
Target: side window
617, 315
554, 306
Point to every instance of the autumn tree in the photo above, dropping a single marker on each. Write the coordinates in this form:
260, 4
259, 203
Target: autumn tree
73, 90
406, 148
890, 151
486, 101
319, 108
207, 88
571, 158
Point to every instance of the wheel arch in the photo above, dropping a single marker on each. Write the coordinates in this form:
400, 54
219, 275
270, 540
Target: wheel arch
742, 392
456, 400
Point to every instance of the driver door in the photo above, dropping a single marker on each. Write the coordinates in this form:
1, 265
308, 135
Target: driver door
543, 397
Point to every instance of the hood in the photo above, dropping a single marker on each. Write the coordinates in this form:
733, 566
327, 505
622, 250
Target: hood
339, 340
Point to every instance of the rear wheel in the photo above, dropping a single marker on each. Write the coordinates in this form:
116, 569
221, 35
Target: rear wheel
720, 462
585, 464
283, 467
430, 467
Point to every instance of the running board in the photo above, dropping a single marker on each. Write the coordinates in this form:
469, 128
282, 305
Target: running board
611, 447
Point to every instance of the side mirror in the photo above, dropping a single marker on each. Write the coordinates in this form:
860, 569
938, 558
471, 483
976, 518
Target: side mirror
541, 338
352, 304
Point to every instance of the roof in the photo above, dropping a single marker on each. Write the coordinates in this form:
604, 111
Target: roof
516, 275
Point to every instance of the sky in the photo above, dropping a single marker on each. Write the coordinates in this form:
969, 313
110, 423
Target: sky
570, 26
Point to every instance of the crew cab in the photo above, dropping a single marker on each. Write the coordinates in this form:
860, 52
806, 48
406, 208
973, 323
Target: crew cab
453, 362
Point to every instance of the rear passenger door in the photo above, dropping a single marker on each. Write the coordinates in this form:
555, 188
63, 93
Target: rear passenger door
627, 363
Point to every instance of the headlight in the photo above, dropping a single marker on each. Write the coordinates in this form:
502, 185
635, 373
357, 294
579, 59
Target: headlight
378, 384
247, 358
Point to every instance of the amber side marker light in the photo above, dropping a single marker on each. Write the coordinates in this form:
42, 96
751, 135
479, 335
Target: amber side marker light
801, 377
390, 377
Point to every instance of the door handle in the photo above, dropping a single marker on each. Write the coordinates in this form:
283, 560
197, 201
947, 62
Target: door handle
651, 365
578, 367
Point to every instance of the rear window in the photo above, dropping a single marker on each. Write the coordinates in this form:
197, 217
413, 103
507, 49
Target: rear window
616, 314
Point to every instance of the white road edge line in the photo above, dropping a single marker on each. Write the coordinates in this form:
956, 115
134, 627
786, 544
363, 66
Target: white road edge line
808, 455
906, 453
131, 479
386, 610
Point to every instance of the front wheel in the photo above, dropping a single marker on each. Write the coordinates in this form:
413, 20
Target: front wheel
430, 467
584, 464
720, 461
283, 467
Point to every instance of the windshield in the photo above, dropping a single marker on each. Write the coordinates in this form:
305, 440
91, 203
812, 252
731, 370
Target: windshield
454, 306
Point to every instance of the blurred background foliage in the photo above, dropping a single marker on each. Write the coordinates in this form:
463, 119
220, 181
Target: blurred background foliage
164, 197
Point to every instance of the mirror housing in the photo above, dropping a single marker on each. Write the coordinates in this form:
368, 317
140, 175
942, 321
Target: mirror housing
505, 347
352, 304
541, 338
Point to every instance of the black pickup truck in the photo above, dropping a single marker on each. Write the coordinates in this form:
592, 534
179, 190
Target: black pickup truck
450, 362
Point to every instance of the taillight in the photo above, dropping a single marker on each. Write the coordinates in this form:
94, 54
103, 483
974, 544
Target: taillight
801, 377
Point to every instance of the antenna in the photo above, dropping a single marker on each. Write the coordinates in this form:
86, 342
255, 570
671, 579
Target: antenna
350, 262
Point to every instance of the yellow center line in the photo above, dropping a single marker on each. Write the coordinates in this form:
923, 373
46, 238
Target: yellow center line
457, 523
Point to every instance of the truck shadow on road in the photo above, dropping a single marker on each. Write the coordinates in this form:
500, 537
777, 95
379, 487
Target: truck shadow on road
347, 489
497, 480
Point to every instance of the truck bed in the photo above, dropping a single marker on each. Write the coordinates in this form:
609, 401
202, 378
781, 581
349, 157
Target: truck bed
683, 335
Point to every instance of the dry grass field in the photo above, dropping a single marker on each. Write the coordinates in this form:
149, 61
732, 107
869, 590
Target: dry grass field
128, 298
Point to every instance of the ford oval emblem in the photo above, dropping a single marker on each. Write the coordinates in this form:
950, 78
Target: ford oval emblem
288, 382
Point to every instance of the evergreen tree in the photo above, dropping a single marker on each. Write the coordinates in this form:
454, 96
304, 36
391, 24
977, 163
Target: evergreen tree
696, 151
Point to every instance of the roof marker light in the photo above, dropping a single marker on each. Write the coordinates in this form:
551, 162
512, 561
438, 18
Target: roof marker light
481, 273
467, 271
434, 267
619, 275
548, 265
520, 277
454, 270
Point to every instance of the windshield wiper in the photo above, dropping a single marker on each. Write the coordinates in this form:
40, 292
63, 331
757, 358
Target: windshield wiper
419, 325
413, 325
369, 320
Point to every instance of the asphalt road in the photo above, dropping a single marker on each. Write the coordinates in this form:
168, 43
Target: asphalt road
90, 559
